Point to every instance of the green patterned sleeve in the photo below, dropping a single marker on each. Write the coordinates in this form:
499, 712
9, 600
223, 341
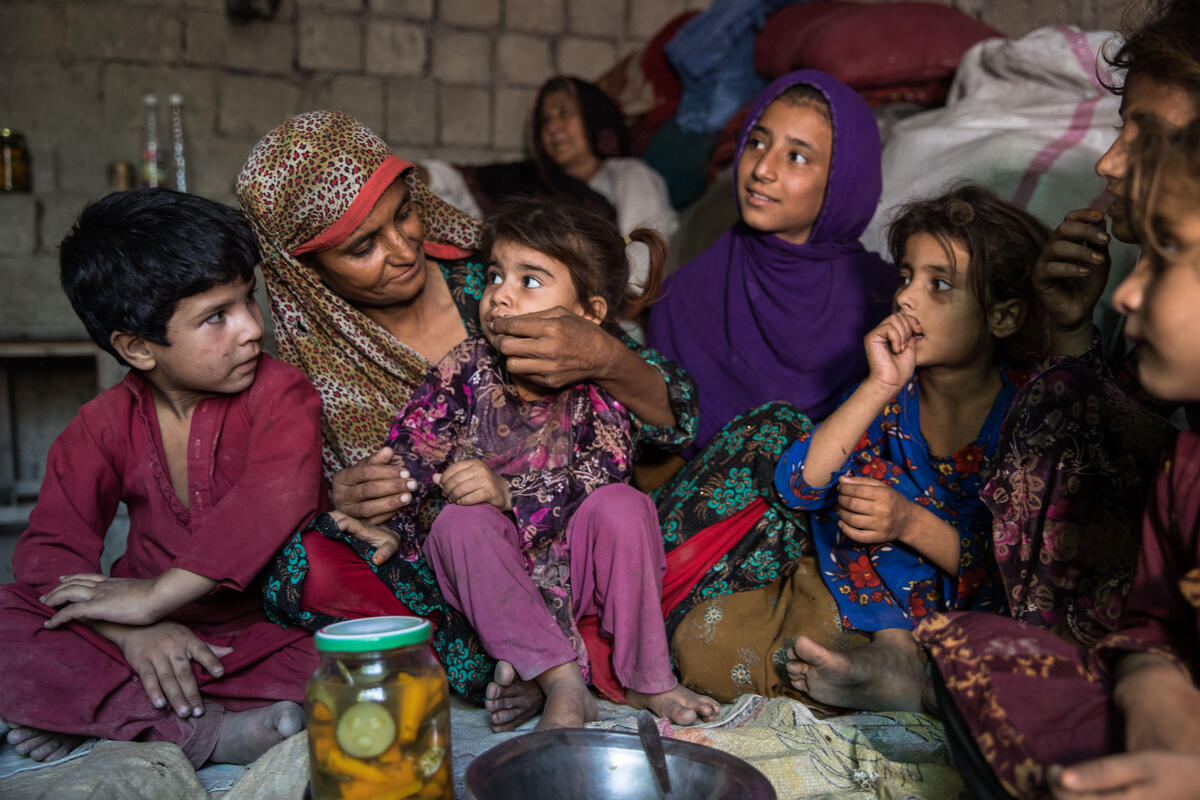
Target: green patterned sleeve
684, 400
465, 279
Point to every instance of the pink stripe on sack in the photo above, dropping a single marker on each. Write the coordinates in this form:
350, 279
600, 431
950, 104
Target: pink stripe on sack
1081, 120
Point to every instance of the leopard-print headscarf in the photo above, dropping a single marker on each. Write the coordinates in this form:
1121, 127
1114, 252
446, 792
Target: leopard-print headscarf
305, 187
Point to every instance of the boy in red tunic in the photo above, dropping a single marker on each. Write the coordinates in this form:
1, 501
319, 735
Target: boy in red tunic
214, 447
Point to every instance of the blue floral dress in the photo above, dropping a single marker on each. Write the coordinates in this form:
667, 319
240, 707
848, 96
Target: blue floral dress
888, 585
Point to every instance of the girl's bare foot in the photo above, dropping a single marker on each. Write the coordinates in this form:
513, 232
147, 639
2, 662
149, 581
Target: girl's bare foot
42, 745
511, 701
885, 675
246, 735
569, 704
680, 705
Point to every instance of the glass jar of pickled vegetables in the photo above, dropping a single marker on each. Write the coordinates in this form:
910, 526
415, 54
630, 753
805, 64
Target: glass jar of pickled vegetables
378, 713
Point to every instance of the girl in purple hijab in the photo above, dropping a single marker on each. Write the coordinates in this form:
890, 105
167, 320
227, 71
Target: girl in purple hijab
777, 307
769, 321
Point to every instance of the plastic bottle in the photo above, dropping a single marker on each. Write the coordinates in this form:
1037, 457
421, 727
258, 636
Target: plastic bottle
121, 175
178, 163
151, 175
15, 172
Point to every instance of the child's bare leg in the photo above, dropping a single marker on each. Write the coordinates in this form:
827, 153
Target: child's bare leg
885, 675
246, 735
679, 704
42, 745
569, 704
510, 700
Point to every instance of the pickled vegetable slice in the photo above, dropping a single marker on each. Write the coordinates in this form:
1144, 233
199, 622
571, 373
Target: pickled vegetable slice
429, 761
365, 730
321, 712
412, 706
341, 765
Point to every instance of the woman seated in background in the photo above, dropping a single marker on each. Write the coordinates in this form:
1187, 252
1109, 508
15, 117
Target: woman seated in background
580, 151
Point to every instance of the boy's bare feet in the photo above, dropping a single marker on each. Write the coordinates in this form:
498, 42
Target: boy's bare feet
511, 701
885, 675
569, 704
42, 745
246, 735
680, 704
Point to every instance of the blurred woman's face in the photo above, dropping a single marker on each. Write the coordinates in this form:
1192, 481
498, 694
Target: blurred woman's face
563, 136
382, 263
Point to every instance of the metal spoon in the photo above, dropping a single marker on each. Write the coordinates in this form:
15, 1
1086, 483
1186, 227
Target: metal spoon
652, 744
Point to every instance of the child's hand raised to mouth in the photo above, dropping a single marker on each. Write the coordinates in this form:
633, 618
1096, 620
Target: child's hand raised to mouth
891, 356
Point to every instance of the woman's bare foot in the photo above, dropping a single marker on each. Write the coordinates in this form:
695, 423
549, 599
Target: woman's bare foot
885, 675
246, 735
680, 705
569, 704
511, 701
42, 745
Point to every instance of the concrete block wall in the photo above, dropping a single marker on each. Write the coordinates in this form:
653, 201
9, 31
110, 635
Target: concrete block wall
446, 77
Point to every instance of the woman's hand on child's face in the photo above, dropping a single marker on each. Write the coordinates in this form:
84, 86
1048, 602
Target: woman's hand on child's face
161, 655
373, 489
892, 350
870, 511
1072, 270
554, 348
1143, 775
97, 597
471, 482
385, 541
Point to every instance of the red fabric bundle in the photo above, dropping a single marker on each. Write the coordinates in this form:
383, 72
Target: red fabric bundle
888, 52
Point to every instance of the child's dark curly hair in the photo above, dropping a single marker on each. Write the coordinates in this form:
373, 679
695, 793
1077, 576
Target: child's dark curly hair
590, 246
1002, 243
1165, 48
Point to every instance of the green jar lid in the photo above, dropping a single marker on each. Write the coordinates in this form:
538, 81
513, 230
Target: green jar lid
372, 633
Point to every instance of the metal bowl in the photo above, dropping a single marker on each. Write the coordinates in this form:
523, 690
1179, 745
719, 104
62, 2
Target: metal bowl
579, 763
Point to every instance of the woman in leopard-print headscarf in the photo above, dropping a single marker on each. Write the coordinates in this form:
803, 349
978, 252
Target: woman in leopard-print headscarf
372, 279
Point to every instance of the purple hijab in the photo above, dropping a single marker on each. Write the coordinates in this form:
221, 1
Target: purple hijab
754, 318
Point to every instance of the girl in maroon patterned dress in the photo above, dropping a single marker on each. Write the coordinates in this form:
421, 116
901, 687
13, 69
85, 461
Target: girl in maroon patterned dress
1070, 477
536, 525
1030, 714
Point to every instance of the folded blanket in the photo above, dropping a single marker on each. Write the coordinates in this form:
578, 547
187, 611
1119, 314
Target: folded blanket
854, 757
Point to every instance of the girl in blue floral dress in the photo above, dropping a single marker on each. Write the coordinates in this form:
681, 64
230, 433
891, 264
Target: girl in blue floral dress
893, 476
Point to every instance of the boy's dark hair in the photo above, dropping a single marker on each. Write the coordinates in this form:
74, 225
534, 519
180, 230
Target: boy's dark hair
589, 245
802, 94
1002, 243
1165, 48
132, 256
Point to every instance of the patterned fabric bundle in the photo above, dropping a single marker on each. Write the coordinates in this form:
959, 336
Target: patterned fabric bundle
305, 187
